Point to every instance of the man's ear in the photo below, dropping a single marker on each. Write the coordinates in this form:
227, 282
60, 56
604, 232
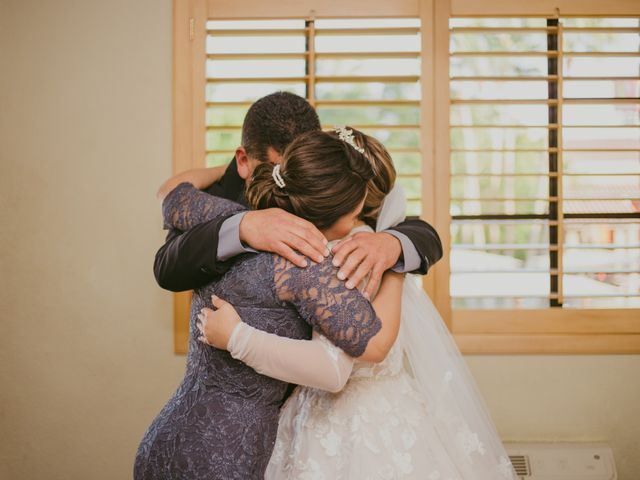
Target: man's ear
242, 161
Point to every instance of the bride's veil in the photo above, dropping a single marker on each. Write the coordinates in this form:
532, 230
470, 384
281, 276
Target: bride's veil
455, 404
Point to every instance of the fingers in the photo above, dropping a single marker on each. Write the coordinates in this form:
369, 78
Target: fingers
310, 245
311, 234
217, 302
374, 280
351, 263
302, 236
343, 250
360, 274
301, 245
285, 251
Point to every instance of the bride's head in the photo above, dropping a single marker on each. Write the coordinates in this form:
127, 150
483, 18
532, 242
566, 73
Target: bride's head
322, 178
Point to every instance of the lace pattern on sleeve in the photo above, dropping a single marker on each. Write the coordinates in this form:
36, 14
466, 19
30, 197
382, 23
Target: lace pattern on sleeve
186, 207
344, 316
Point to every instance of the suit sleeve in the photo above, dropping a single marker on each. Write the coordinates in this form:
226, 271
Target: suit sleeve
189, 259
425, 239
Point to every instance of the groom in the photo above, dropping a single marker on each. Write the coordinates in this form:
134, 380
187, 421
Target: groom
191, 259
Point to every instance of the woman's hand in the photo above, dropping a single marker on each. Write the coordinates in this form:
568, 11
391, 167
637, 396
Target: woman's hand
216, 326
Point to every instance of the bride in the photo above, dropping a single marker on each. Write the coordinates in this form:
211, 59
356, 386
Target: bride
416, 414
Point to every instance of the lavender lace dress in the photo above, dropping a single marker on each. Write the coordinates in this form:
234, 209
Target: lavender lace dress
222, 421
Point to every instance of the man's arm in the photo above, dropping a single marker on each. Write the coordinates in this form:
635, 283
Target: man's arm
189, 259
426, 242
213, 231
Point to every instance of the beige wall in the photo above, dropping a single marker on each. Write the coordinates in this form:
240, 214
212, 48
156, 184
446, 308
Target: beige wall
85, 334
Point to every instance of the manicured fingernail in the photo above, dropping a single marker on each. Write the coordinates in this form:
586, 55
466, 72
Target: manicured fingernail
319, 259
349, 285
367, 296
327, 252
341, 275
304, 263
336, 263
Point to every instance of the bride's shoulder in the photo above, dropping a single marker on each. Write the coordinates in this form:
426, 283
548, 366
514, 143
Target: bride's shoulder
361, 228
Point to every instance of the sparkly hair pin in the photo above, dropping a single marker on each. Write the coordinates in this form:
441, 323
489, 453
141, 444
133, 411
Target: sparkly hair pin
346, 135
277, 177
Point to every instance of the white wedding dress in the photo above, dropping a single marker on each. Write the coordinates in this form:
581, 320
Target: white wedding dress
416, 415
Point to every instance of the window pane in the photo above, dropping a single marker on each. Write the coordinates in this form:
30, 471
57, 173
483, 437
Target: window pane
369, 115
600, 22
256, 44
507, 138
498, 42
249, 92
499, 115
497, 22
254, 24
602, 263
602, 162
366, 43
412, 187
602, 89
499, 90
220, 115
369, 67
408, 163
366, 23
500, 187
600, 66
602, 138
217, 159
498, 66
397, 138
601, 42
368, 91
255, 68
221, 140
613, 114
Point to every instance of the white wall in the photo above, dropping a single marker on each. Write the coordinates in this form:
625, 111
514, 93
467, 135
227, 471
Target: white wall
85, 335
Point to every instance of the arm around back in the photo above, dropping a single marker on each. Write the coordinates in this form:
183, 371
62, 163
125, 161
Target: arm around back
425, 239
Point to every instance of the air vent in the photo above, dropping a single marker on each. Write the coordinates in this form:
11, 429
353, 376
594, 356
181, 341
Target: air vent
562, 460
521, 465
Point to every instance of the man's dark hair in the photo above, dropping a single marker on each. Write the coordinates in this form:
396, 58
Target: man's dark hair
275, 121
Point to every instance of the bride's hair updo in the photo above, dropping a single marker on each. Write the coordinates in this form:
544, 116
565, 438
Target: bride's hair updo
321, 178
383, 179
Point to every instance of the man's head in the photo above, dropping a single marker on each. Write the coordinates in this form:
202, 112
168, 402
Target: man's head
270, 125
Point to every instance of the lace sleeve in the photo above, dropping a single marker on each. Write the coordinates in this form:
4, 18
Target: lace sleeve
186, 207
344, 316
315, 363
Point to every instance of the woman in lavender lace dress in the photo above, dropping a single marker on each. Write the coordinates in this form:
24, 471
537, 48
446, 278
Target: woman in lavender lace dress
221, 422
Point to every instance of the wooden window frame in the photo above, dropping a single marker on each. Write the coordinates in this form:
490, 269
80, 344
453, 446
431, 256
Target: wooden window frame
500, 331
